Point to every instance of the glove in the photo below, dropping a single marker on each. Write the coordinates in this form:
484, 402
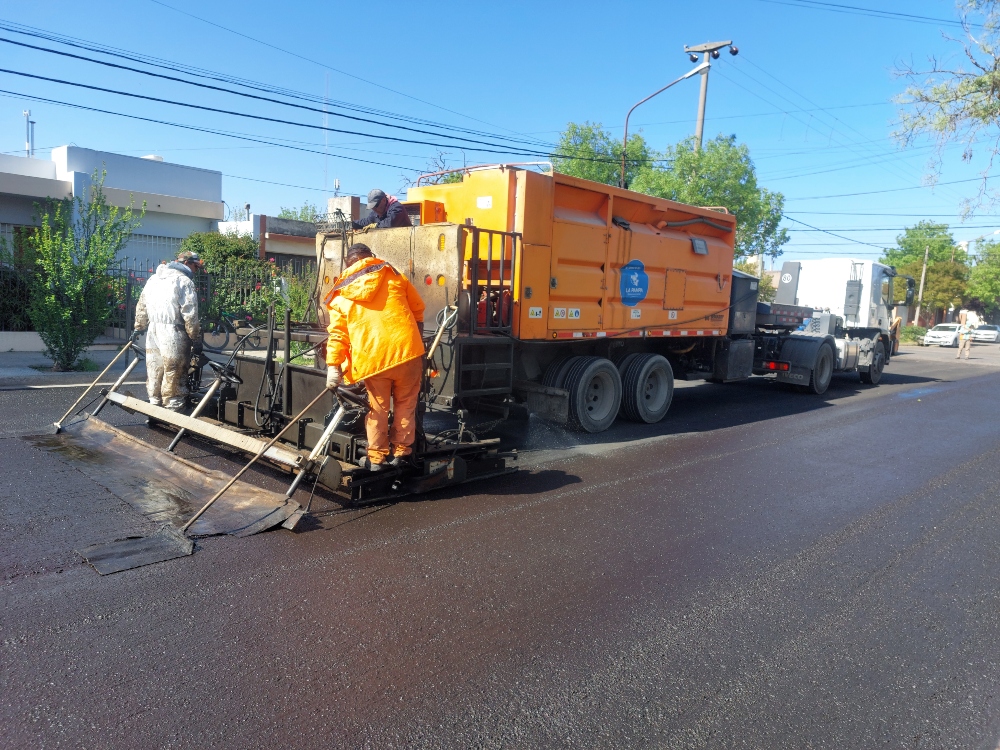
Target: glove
334, 377
420, 327
136, 333
197, 347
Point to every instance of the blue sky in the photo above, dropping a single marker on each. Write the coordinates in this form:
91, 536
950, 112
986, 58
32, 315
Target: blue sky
810, 94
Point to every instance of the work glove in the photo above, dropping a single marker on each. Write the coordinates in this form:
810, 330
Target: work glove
136, 333
420, 327
197, 347
334, 377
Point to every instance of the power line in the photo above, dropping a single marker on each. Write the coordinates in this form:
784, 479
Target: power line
196, 72
323, 65
859, 242
889, 190
211, 131
238, 93
264, 118
859, 11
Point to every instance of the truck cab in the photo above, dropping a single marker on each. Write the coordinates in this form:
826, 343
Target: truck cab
858, 291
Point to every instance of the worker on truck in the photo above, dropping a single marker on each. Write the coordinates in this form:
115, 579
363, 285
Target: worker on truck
168, 311
386, 211
376, 335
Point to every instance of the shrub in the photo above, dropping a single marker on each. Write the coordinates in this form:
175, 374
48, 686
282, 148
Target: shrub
910, 334
70, 256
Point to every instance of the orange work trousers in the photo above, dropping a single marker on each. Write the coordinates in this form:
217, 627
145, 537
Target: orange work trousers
401, 385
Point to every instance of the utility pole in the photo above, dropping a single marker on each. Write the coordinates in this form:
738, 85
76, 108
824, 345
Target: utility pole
920, 294
709, 50
27, 132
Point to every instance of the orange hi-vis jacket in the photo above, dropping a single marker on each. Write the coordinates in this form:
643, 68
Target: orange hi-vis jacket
374, 313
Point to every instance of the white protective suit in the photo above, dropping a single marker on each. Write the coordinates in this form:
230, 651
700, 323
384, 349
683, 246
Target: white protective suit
168, 312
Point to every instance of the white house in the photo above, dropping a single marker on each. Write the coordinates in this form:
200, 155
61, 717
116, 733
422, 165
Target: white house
179, 199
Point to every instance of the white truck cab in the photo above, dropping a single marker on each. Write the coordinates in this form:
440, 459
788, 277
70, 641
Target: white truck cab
858, 291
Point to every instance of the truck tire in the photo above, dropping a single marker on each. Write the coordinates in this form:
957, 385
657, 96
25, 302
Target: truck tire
874, 374
555, 374
647, 387
595, 393
822, 371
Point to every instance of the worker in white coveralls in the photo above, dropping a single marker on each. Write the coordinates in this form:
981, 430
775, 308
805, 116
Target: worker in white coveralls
168, 312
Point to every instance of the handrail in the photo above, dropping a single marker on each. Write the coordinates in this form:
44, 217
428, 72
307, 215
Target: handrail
481, 167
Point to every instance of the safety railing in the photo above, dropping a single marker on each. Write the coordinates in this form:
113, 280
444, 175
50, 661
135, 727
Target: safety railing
492, 265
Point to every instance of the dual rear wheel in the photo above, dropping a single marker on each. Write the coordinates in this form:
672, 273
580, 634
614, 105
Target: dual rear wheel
641, 388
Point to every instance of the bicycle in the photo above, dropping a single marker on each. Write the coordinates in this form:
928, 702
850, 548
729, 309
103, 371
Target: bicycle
217, 332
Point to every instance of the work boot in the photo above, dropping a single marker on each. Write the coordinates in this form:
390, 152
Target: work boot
367, 463
401, 462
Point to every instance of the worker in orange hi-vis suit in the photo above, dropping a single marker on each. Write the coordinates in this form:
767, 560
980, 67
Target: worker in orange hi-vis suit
376, 335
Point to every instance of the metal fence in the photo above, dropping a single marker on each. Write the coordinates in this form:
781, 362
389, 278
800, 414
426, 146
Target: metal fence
242, 291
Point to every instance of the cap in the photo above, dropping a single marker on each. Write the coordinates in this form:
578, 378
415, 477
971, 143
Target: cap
189, 257
374, 197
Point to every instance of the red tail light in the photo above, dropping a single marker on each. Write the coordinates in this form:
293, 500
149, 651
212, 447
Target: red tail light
776, 366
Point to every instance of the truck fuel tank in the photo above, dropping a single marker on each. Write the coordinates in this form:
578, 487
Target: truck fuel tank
847, 354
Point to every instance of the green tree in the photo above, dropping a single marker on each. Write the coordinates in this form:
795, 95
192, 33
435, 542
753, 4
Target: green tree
984, 277
958, 103
926, 234
220, 251
721, 174
589, 152
70, 256
308, 212
765, 289
946, 284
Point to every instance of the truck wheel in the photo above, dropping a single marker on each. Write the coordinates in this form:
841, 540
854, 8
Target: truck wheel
595, 394
874, 374
555, 375
822, 372
647, 387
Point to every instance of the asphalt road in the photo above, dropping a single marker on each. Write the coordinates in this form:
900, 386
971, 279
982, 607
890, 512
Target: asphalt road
763, 569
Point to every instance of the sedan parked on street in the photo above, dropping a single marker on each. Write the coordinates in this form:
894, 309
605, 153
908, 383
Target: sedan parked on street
987, 333
945, 334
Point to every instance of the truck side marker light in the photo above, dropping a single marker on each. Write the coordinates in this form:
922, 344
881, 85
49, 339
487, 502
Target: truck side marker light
440, 280
441, 242
428, 280
776, 366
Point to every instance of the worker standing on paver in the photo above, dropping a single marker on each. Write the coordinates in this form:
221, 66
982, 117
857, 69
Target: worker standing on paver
376, 335
386, 211
168, 311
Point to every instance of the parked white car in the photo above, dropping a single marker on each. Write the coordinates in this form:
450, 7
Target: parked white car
987, 333
945, 334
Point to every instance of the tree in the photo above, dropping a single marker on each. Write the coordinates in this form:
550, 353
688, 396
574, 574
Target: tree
308, 212
984, 278
721, 174
71, 255
220, 251
959, 103
947, 264
589, 152
765, 289
913, 240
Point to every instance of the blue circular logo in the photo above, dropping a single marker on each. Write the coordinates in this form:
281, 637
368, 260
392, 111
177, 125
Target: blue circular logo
634, 283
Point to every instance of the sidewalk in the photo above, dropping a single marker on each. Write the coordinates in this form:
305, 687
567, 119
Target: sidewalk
17, 370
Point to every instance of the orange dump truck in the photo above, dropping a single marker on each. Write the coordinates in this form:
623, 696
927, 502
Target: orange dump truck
580, 300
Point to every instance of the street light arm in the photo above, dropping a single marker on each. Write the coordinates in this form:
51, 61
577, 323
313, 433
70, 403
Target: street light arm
694, 71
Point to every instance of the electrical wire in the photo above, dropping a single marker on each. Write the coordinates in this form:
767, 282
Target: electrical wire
321, 64
236, 93
855, 10
212, 131
231, 79
264, 118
